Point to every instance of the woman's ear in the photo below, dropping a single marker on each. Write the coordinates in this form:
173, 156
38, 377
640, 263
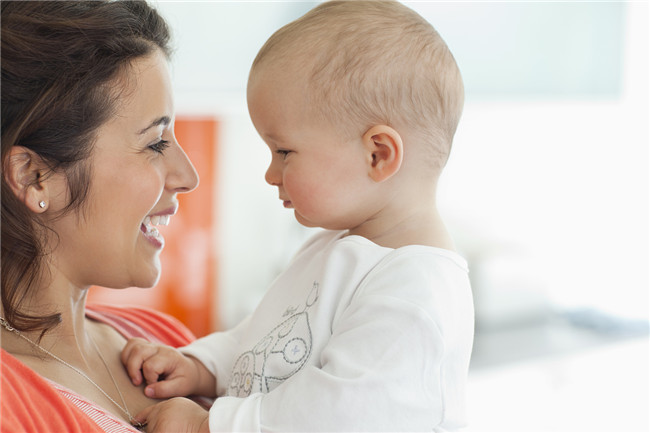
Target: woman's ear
385, 151
25, 174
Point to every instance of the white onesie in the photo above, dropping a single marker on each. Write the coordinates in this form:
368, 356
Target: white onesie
351, 337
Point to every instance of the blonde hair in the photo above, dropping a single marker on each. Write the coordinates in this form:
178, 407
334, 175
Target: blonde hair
374, 62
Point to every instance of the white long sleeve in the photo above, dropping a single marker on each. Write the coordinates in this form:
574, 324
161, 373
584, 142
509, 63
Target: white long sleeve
353, 337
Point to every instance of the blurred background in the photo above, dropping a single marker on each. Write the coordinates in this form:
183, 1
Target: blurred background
546, 194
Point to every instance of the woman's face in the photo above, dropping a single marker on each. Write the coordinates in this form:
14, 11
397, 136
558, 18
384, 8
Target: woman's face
137, 169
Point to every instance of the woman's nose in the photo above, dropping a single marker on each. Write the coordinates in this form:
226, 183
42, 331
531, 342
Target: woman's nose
182, 176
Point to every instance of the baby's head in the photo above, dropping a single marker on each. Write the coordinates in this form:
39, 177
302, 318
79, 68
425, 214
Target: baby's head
363, 63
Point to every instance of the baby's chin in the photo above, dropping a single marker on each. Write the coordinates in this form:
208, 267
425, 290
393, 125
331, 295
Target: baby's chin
305, 221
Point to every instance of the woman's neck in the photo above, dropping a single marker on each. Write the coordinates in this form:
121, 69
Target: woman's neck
68, 355
70, 335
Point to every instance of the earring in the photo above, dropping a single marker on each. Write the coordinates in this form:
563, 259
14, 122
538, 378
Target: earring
41, 204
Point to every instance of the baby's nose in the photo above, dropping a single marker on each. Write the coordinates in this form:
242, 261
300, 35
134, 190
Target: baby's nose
273, 176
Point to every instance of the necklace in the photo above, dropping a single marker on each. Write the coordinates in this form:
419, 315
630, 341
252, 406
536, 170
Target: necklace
123, 407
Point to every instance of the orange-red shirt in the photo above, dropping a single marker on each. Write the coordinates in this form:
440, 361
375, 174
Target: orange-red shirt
30, 403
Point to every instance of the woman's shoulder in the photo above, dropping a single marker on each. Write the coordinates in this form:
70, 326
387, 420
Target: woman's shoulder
147, 323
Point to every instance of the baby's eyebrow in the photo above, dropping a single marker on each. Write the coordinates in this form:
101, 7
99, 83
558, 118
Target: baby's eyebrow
273, 138
164, 120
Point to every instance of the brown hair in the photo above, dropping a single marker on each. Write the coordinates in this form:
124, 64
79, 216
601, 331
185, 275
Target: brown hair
59, 60
374, 62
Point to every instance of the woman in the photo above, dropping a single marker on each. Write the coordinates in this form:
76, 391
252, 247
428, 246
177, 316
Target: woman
90, 166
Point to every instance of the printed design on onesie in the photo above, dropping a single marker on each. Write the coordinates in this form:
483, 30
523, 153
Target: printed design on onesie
277, 356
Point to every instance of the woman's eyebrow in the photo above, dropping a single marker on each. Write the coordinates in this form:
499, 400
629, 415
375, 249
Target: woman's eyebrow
164, 120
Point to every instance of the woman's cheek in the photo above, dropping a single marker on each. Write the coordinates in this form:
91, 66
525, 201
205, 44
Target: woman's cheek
151, 189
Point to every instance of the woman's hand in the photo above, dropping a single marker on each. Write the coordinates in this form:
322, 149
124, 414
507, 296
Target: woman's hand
177, 415
167, 372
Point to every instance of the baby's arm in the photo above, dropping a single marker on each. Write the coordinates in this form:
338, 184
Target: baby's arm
167, 372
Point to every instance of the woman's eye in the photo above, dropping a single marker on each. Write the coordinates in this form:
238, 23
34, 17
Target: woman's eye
160, 146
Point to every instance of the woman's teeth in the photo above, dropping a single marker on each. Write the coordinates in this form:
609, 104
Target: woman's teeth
149, 222
158, 220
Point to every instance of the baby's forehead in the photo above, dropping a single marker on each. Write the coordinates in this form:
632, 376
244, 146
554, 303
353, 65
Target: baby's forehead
283, 71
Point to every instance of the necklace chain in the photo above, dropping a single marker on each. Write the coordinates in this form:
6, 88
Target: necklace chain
122, 407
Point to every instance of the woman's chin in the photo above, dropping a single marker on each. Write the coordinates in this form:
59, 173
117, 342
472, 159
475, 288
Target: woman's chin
147, 276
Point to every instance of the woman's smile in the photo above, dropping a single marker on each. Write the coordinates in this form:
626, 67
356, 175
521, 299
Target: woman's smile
149, 229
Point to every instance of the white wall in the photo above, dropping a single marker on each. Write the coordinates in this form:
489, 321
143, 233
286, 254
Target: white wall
547, 187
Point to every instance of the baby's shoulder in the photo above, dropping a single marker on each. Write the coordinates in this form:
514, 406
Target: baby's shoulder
418, 274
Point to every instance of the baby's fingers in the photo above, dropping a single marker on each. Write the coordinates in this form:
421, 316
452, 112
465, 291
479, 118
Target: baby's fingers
156, 368
170, 387
134, 354
174, 415
143, 416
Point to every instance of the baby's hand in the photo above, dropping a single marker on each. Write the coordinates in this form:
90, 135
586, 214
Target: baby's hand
167, 372
175, 415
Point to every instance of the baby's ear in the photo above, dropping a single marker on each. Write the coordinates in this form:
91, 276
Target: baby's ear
24, 172
385, 152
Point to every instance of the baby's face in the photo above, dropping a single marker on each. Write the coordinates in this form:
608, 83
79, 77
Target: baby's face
320, 173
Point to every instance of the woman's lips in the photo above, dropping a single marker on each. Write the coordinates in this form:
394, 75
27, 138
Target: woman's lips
149, 229
166, 212
153, 236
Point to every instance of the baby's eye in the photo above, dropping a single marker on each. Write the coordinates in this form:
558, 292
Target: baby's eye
283, 152
160, 146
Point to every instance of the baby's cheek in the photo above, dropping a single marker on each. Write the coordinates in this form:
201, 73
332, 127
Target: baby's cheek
306, 195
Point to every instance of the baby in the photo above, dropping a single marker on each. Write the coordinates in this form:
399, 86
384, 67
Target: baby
371, 325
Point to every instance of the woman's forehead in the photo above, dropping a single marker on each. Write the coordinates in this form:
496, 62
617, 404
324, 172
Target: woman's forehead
145, 96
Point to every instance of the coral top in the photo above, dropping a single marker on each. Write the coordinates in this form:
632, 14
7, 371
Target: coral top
31, 403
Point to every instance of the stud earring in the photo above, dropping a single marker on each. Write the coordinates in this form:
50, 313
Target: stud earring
41, 204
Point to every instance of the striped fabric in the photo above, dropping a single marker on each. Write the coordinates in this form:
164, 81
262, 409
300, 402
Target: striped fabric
105, 420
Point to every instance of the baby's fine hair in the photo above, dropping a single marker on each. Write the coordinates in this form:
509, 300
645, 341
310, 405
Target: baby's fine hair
374, 62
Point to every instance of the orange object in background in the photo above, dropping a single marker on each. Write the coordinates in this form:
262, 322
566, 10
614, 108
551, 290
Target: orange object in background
188, 283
